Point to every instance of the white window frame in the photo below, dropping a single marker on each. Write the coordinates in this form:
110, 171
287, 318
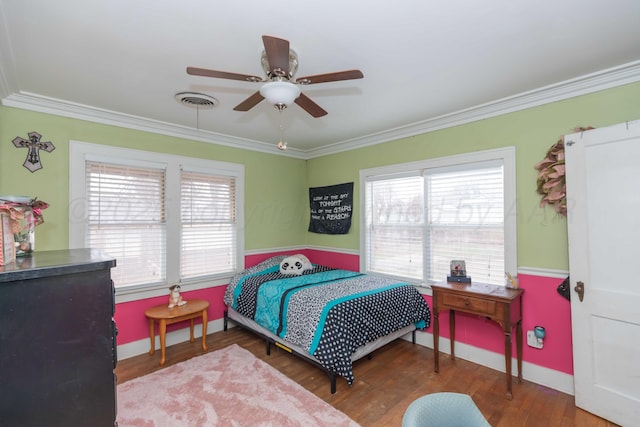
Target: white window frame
506, 155
80, 152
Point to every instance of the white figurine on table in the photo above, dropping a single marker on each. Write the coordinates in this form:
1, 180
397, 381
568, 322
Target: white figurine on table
175, 299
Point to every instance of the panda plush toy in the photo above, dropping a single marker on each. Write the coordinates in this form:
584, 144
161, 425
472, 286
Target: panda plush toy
295, 265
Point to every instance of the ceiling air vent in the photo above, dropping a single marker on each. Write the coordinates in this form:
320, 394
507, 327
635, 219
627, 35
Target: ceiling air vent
194, 99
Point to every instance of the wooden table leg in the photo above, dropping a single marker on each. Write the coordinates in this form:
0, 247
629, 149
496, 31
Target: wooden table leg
519, 348
163, 341
452, 332
191, 323
152, 337
436, 339
204, 329
507, 357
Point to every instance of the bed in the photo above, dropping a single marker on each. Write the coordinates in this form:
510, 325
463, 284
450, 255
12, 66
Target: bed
331, 317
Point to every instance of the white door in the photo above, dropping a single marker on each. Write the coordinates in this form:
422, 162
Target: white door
603, 199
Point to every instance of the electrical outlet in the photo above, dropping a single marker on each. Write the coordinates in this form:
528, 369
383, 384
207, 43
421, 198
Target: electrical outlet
532, 341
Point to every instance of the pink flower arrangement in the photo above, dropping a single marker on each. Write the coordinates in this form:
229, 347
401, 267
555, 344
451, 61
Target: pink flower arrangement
24, 215
16, 211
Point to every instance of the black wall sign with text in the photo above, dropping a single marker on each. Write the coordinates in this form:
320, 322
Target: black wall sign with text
331, 209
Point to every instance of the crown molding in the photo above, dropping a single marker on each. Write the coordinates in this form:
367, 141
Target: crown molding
594, 82
42, 104
601, 80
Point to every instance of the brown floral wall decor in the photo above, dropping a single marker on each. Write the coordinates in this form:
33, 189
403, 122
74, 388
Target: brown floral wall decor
551, 177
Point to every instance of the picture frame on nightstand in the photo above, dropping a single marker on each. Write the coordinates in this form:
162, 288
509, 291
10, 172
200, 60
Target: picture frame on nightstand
458, 272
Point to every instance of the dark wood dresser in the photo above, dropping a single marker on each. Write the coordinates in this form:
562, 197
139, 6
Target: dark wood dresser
58, 340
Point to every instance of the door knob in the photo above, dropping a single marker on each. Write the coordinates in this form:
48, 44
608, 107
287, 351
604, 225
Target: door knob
580, 290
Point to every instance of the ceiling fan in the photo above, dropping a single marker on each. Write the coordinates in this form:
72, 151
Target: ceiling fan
280, 64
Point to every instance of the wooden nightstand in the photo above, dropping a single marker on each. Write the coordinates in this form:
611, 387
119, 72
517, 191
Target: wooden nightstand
501, 304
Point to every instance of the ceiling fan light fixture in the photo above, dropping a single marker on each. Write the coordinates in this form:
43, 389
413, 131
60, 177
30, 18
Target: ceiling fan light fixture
280, 94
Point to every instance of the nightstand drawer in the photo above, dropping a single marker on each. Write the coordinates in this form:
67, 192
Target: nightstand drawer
469, 304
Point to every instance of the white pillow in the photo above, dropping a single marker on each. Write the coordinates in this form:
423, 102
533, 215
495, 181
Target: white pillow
295, 265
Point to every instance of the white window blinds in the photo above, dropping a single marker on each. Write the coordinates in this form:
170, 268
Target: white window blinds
465, 211
208, 218
395, 226
126, 219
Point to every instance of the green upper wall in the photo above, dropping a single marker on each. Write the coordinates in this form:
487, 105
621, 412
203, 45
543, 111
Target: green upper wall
276, 187
542, 235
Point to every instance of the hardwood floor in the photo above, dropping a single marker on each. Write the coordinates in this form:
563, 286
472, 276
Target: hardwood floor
394, 377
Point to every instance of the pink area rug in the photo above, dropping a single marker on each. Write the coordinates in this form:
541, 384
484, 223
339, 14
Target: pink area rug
228, 387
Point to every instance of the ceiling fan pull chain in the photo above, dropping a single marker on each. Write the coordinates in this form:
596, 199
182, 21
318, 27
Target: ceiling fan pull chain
282, 145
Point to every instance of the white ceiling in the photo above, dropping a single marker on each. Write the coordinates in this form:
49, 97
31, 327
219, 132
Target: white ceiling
427, 64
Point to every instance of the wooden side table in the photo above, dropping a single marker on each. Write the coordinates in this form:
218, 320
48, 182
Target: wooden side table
164, 315
499, 303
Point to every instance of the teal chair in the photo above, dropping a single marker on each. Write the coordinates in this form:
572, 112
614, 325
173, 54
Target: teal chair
444, 410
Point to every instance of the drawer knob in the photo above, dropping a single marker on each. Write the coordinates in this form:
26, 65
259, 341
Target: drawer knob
467, 303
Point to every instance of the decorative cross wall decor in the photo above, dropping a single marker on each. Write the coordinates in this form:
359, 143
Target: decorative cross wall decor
32, 162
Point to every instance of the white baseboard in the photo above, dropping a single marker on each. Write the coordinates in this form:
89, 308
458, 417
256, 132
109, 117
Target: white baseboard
543, 272
538, 374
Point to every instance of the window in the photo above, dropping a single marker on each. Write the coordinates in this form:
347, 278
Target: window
417, 217
208, 220
126, 219
465, 213
166, 219
395, 224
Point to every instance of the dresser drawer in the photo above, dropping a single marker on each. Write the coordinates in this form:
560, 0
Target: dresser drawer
469, 304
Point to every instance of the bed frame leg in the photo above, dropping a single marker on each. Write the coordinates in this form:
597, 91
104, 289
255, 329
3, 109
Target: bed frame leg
268, 343
332, 379
413, 336
226, 320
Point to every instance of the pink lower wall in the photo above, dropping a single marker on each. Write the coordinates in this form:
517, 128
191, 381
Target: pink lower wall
134, 326
333, 259
542, 305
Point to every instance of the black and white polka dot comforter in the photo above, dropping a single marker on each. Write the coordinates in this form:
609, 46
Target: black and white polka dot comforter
328, 312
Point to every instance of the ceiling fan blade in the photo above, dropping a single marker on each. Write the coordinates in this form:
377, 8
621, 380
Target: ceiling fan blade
309, 106
330, 77
249, 103
277, 51
222, 74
